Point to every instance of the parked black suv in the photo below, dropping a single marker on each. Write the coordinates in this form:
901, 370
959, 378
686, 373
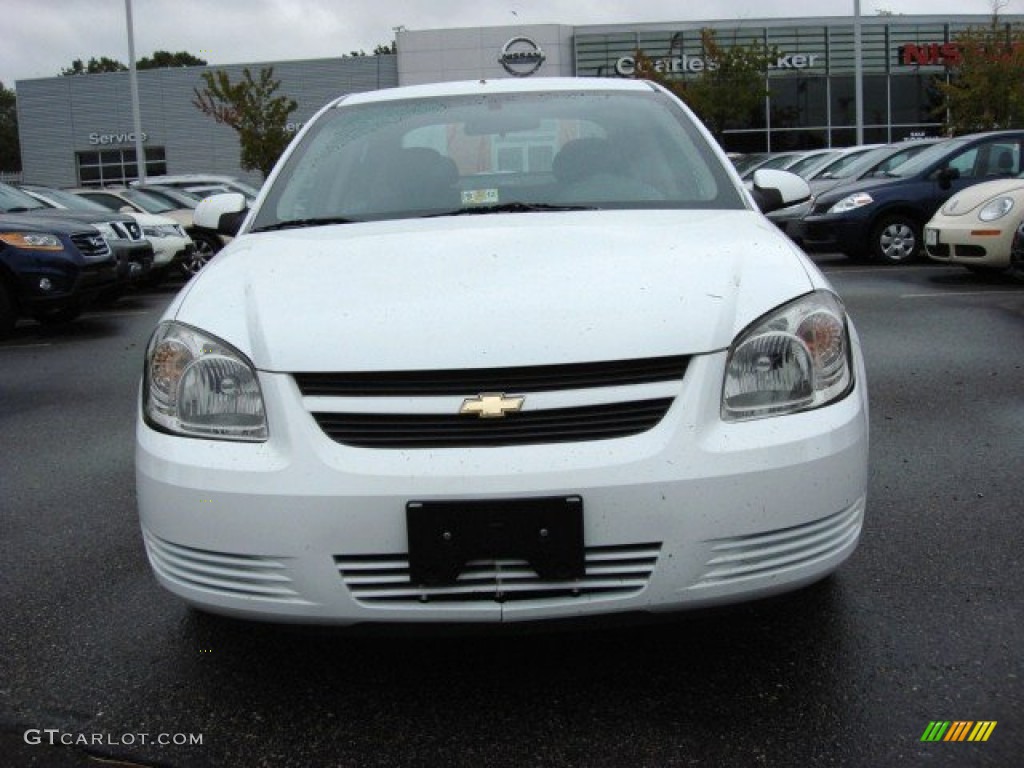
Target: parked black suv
882, 218
50, 269
123, 234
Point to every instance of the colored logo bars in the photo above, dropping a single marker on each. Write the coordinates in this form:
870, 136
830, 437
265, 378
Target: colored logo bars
958, 730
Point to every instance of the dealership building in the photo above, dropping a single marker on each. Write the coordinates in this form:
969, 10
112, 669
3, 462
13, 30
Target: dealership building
77, 130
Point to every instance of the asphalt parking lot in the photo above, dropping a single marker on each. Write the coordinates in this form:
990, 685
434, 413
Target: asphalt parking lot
924, 624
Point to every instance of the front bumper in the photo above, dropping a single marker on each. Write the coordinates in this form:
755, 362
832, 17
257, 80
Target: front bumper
983, 245
831, 233
168, 251
693, 512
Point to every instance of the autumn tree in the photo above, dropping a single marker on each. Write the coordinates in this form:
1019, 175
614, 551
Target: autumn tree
986, 90
251, 108
10, 147
728, 88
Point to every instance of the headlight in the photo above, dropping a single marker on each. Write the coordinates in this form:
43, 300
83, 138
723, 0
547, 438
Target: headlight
792, 359
161, 230
852, 202
996, 209
32, 241
199, 386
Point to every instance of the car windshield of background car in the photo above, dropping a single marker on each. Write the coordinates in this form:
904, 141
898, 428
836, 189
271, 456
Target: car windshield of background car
13, 200
149, 203
464, 154
68, 200
930, 155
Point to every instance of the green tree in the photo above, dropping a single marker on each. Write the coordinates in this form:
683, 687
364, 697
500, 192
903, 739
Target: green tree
10, 146
378, 50
95, 66
250, 107
986, 90
165, 59
729, 88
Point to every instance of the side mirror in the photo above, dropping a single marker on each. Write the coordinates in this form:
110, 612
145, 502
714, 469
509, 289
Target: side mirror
223, 214
947, 176
773, 190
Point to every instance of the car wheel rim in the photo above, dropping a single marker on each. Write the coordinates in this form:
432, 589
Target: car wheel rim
898, 242
199, 257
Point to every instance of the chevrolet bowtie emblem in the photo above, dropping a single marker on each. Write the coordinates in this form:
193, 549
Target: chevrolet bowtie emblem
491, 405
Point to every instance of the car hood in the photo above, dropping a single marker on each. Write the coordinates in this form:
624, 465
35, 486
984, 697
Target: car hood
47, 220
969, 199
494, 290
840, 191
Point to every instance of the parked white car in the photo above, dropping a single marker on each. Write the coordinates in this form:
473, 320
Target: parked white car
172, 245
501, 351
975, 227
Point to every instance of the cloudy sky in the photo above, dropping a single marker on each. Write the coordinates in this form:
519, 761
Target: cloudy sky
40, 37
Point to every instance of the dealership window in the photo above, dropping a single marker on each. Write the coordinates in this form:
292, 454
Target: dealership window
798, 102
99, 168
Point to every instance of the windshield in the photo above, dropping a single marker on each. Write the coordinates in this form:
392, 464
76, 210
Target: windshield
69, 200
920, 163
179, 198
513, 152
812, 161
13, 200
147, 202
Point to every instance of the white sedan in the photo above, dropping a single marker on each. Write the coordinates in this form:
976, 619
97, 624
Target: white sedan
501, 351
975, 227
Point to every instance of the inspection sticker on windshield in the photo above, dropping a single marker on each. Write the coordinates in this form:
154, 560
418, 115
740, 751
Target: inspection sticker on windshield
479, 197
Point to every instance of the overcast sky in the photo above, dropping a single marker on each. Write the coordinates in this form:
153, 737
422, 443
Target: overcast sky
40, 37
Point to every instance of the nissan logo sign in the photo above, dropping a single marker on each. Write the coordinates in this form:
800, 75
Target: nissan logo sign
521, 57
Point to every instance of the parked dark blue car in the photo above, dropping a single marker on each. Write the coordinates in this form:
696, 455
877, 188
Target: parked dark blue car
883, 218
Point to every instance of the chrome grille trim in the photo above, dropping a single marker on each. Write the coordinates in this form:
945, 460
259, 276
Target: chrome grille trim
383, 580
758, 555
92, 247
229, 574
463, 382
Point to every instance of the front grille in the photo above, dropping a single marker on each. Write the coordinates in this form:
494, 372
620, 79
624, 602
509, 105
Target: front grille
250, 576
557, 425
537, 378
970, 251
134, 230
610, 572
941, 250
92, 247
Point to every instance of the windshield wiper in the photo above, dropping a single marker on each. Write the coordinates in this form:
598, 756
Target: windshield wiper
515, 207
300, 223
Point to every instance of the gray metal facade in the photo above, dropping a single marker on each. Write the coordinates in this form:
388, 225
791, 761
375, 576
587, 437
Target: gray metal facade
60, 117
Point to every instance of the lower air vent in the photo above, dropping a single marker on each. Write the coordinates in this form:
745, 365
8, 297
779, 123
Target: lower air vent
236, 575
610, 572
762, 554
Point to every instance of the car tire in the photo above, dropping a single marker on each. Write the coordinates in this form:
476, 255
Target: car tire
896, 239
8, 310
206, 246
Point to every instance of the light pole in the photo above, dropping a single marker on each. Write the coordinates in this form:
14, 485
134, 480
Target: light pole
140, 154
858, 74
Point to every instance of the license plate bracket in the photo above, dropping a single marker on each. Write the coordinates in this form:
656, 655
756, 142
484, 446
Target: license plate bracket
546, 532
